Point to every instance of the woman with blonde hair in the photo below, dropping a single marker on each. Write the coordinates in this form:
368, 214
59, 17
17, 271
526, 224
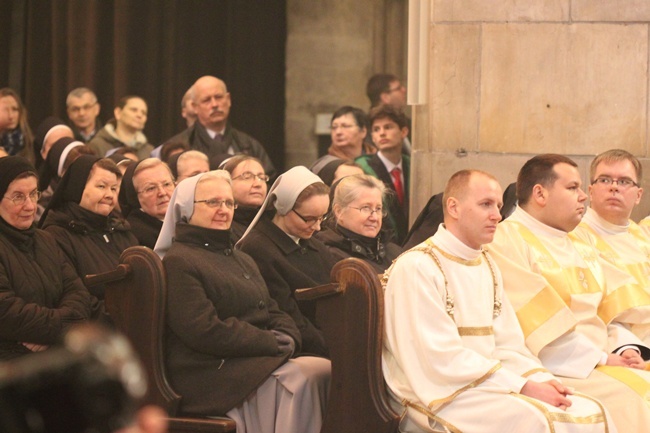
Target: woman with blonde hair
354, 226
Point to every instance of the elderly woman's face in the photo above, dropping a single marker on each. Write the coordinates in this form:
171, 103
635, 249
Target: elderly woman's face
154, 186
248, 185
363, 215
100, 193
20, 215
346, 133
215, 207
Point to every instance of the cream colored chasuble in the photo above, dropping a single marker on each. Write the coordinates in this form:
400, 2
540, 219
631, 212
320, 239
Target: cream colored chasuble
454, 356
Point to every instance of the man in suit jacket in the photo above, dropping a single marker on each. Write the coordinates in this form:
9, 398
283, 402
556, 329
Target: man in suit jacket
388, 129
212, 134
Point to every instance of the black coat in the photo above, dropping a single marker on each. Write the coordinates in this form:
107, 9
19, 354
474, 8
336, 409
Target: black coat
41, 295
219, 317
287, 266
144, 227
343, 244
197, 138
241, 220
92, 242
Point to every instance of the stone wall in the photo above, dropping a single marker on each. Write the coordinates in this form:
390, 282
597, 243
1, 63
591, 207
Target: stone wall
509, 79
333, 47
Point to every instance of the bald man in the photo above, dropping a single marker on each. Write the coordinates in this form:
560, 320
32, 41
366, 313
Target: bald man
454, 357
212, 134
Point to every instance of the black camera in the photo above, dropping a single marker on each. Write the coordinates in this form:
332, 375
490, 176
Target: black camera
90, 385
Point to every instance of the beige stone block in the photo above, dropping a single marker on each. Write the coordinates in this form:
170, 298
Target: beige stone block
503, 10
643, 208
572, 89
454, 87
431, 171
610, 10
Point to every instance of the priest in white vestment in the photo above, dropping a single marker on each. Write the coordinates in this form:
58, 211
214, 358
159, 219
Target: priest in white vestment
575, 309
454, 356
614, 191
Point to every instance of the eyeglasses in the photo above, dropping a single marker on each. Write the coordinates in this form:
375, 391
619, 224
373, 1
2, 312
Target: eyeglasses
368, 210
218, 203
20, 199
77, 109
310, 220
622, 183
153, 188
396, 89
248, 175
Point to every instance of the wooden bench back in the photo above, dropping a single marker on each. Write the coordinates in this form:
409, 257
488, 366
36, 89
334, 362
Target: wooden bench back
135, 298
350, 313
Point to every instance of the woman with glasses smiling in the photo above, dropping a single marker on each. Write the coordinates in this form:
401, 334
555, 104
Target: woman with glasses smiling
354, 228
146, 189
41, 295
288, 256
249, 187
229, 347
81, 217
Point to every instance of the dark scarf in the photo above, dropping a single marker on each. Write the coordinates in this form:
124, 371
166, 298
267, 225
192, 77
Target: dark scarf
85, 221
13, 141
371, 248
209, 239
21, 239
244, 215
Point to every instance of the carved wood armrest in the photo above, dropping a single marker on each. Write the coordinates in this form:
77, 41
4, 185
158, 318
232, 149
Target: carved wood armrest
318, 292
116, 274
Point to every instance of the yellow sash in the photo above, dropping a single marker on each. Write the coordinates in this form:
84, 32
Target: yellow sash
562, 283
628, 377
629, 295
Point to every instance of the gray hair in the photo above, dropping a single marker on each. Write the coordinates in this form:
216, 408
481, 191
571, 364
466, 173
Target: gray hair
348, 188
78, 93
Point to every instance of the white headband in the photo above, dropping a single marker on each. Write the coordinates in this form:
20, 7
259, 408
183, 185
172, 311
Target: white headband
52, 129
64, 155
286, 188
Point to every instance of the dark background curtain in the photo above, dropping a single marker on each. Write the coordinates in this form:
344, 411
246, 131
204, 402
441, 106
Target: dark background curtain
152, 48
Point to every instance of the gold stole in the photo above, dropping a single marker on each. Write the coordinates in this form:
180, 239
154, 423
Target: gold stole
628, 377
562, 283
629, 295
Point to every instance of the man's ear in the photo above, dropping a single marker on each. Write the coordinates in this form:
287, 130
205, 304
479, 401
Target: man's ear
539, 194
452, 207
639, 194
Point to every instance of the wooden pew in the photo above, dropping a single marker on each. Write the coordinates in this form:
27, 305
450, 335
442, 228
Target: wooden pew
350, 312
136, 294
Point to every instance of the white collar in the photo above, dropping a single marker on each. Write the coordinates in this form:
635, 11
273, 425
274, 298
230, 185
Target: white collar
602, 226
388, 164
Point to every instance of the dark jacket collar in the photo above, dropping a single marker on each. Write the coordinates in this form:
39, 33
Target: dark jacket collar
21, 239
209, 239
371, 248
281, 239
79, 220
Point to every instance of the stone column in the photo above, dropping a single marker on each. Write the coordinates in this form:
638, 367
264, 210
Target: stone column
509, 79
